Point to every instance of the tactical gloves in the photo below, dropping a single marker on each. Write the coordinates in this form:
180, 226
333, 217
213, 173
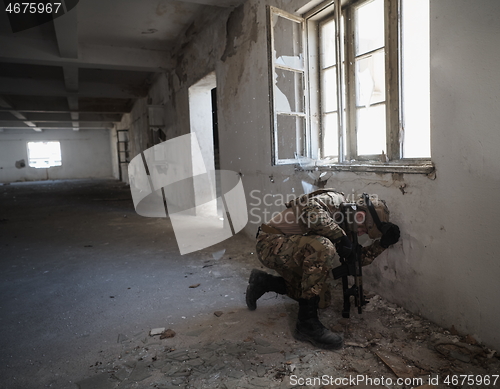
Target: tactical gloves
390, 234
343, 247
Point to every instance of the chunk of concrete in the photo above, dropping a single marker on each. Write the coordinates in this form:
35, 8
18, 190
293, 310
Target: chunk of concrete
156, 331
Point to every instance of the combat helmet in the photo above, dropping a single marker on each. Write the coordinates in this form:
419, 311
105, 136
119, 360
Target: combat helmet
381, 209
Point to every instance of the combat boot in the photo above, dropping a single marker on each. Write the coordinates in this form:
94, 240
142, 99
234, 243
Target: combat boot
261, 282
310, 329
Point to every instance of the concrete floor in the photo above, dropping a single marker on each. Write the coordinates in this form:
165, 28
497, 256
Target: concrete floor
83, 279
79, 266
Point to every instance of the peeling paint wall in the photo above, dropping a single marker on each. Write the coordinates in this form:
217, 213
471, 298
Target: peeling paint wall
446, 266
85, 154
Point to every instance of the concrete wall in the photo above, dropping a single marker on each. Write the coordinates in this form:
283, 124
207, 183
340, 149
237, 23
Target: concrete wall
113, 138
138, 128
85, 154
446, 265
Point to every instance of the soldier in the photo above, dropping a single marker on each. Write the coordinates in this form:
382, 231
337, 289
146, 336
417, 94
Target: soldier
300, 243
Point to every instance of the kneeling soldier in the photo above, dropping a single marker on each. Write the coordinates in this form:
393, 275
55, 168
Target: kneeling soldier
300, 243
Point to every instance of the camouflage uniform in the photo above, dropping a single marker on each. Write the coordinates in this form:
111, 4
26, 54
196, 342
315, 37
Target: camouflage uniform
305, 261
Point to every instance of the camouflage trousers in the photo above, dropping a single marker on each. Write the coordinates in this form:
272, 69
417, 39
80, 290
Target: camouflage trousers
305, 262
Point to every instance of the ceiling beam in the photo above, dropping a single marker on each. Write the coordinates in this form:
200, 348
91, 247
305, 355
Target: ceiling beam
34, 87
42, 104
64, 117
59, 124
54, 117
73, 105
22, 118
71, 77
41, 123
66, 28
103, 126
55, 111
41, 52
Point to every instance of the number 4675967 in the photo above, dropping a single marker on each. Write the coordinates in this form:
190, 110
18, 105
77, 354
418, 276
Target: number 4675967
32, 8
471, 379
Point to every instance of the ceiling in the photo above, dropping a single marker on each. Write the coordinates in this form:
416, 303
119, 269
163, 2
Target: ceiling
86, 68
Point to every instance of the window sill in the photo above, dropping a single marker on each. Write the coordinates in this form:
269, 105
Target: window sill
411, 167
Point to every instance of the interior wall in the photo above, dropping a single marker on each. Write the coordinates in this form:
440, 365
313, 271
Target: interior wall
85, 154
465, 92
138, 128
200, 117
201, 124
113, 147
446, 265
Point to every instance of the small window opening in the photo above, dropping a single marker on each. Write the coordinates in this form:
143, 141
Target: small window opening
44, 154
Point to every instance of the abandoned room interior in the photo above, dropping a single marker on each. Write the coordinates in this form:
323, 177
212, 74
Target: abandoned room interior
103, 102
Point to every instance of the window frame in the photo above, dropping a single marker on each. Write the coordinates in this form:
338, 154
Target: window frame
275, 155
348, 160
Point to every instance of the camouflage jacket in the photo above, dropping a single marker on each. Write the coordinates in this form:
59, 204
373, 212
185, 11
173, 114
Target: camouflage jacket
320, 214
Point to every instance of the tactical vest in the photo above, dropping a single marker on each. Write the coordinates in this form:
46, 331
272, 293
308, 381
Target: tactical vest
298, 203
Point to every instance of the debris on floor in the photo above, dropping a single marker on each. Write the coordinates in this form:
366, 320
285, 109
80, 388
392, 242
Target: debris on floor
167, 334
385, 347
156, 331
394, 362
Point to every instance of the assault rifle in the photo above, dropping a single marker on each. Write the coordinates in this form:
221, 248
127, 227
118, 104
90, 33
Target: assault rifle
351, 265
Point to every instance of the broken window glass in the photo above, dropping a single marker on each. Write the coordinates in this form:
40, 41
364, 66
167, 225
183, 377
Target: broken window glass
328, 72
289, 91
291, 133
288, 86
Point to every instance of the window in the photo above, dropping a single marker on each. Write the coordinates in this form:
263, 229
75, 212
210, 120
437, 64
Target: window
288, 87
44, 154
357, 77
